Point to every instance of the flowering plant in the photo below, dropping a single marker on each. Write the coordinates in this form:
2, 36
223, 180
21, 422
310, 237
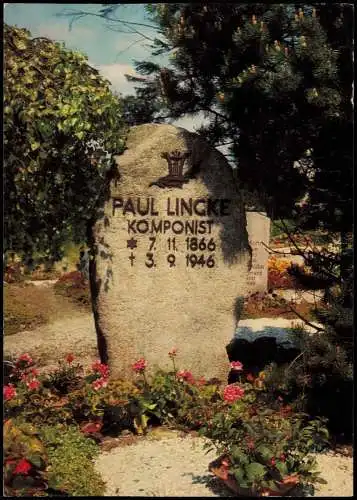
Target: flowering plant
25, 458
261, 447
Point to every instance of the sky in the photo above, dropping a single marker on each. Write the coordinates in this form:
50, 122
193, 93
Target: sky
110, 51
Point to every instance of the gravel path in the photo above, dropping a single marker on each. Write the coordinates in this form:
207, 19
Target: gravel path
50, 343
178, 466
160, 466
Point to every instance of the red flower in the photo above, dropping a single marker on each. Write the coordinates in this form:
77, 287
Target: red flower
282, 457
24, 359
250, 377
9, 392
232, 393
99, 383
33, 384
101, 369
173, 352
185, 375
237, 366
91, 427
69, 358
22, 467
139, 365
34, 372
272, 461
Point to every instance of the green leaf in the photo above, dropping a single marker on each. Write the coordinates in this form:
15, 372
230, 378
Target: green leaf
36, 460
264, 452
255, 471
239, 475
79, 135
34, 146
238, 455
282, 468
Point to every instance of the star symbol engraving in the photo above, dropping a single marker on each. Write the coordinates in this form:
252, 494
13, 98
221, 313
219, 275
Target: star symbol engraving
132, 243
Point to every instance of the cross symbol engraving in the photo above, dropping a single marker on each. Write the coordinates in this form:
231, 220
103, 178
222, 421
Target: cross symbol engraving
132, 258
131, 243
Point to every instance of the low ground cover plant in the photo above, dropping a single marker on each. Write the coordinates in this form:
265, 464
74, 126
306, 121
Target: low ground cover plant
55, 422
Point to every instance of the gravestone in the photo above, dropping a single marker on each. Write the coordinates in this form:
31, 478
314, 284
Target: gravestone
258, 227
172, 255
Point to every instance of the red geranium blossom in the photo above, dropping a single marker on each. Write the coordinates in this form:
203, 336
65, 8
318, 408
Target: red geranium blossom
33, 384
232, 393
99, 383
9, 392
173, 352
25, 358
237, 366
272, 461
185, 375
22, 467
250, 377
69, 358
101, 369
139, 365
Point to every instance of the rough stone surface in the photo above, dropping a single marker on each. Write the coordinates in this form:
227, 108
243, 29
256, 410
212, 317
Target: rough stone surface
258, 227
150, 298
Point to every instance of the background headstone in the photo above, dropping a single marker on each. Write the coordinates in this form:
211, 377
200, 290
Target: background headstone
158, 284
258, 226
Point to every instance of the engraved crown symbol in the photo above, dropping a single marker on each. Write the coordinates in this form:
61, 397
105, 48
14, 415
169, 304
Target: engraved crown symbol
175, 178
176, 160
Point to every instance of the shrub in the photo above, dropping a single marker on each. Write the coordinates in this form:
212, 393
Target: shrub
26, 395
75, 286
263, 444
321, 370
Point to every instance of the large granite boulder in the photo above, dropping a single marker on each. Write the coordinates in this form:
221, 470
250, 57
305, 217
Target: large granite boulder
172, 255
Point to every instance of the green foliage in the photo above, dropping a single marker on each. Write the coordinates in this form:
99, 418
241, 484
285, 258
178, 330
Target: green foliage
322, 369
22, 446
141, 108
71, 458
265, 442
55, 106
276, 229
183, 403
67, 377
